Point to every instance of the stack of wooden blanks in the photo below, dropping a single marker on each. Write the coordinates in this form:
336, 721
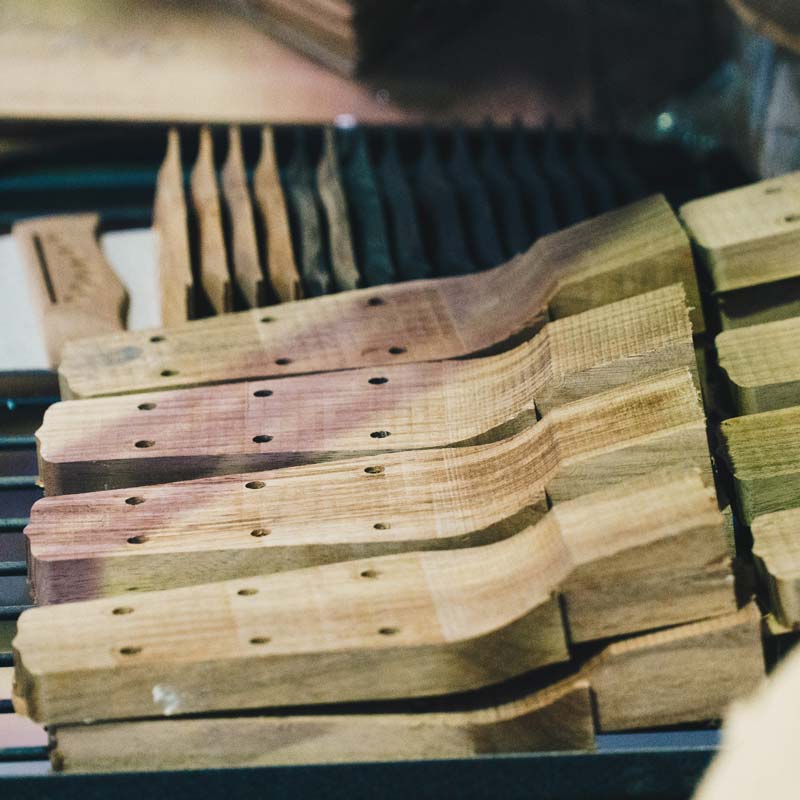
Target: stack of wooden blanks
748, 240
492, 544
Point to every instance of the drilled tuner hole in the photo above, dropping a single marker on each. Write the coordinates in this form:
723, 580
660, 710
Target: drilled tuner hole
134, 501
378, 381
282, 362
255, 485
381, 526
146, 406
369, 573
388, 631
373, 470
122, 610
267, 319
792, 218
167, 373
376, 301
142, 443
247, 592
260, 640
259, 532
380, 434
130, 651
156, 338
138, 539
396, 351
263, 393
261, 438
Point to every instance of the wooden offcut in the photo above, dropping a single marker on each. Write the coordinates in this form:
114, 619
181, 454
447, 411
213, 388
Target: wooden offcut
150, 438
620, 254
776, 547
75, 290
154, 537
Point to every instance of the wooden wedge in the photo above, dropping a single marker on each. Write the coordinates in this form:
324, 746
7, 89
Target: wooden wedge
214, 274
75, 290
762, 364
618, 255
683, 674
764, 454
154, 537
631, 558
132, 440
271, 205
245, 261
776, 547
748, 236
170, 222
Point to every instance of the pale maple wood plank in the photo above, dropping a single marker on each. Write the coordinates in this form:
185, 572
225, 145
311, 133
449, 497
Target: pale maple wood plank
620, 254
214, 275
426, 622
764, 454
750, 235
245, 261
149, 438
109, 542
76, 292
762, 364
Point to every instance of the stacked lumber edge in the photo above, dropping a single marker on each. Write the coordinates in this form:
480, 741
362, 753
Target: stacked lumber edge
467, 515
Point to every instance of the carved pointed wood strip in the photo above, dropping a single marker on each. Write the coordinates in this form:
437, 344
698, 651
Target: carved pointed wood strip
697, 670
762, 364
170, 221
109, 542
271, 204
214, 275
748, 236
776, 547
764, 454
76, 291
161, 436
636, 249
245, 261
334, 204
426, 623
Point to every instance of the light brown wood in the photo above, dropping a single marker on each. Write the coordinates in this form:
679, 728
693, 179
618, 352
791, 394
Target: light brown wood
620, 254
149, 438
776, 547
682, 674
762, 364
170, 223
155, 537
748, 236
245, 262
633, 557
334, 204
271, 203
764, 454
214, 275
76, 291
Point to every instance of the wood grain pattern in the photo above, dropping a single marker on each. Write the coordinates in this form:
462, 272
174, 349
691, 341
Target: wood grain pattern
623, 253
683, 674
334, 204
170, 222
762, 364
245, 261
748, 236
776, 547
764, 454
634, 557
129, 440
76, 291
271, 204
109, 542
214, 275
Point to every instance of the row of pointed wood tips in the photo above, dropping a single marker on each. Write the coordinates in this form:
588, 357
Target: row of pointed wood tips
327, 210
368, 572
